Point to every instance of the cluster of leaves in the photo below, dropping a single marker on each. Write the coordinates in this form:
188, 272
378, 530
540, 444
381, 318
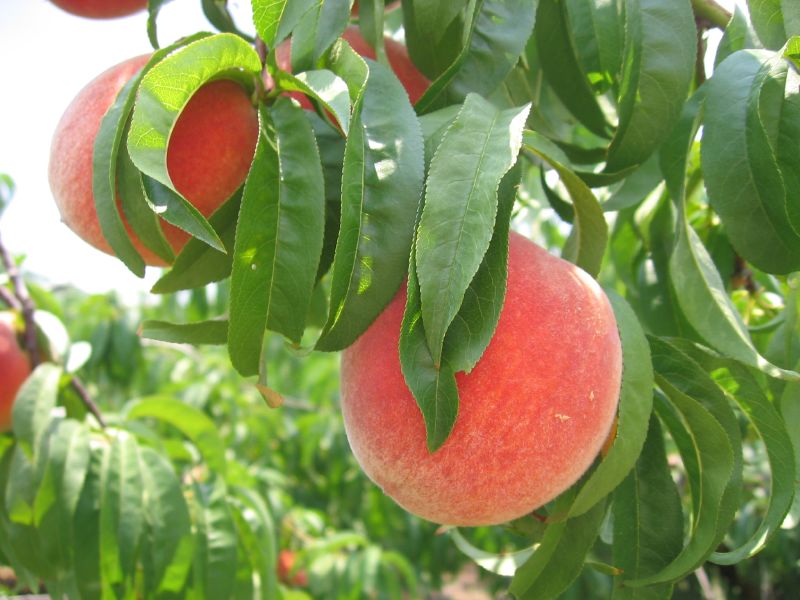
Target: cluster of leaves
187, 453
596, 106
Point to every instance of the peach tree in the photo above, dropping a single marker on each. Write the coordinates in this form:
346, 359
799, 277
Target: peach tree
606, 131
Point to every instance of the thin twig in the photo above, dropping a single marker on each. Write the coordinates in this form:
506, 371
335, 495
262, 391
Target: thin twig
21, 300
7, 298
78, 386
26, 305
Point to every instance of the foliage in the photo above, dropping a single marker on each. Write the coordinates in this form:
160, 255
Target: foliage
676, 186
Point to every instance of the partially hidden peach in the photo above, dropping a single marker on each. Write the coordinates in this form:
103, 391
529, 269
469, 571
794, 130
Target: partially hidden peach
413, 81
14, 367
101, 9
208, 158
287, 573
533, 413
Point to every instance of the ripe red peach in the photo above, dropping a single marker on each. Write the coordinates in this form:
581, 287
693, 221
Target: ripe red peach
101, 9
533, 413
208, 158
14, 367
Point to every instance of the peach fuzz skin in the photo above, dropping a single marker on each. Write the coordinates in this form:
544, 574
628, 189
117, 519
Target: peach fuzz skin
209, 154
101, 9
14, 368
413, 81
533, 413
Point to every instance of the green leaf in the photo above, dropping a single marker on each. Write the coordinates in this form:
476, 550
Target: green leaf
767, 18
636, 186
589, 235
772, 429
560, 65
167, 88
18, 512
635, 406
382, 179
712, 452
559, 558
738, 36
275, 19
791, 17
331, 152
198, 263
121, 515
433, 18
788, 158
475, 323
648, 521
104, 177
175, 209
742, 177
773, 432
789, 406
699, 289
598, 32
434, 33
322, 85
432, 384
460, 208
86, 565
370, 25
31, 413
215, 542
658, 67
168, 545
213, 332
139, 213
704, 301
217, 13
279, 236
68, 460
316, 31
494, 41
190, 421
686, 375
153, 8
256, 531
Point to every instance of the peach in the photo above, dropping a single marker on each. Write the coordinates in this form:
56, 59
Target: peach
287, 573
413, 81
209, 154
14, 368
533, 413
101, 9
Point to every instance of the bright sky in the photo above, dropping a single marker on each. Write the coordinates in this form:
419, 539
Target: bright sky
47, 57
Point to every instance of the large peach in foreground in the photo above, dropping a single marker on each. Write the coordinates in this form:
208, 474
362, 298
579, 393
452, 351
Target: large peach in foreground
533, 414
14, 368
209, 153
101, 9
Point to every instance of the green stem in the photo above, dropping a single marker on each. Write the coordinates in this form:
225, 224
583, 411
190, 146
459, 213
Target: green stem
711, 12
